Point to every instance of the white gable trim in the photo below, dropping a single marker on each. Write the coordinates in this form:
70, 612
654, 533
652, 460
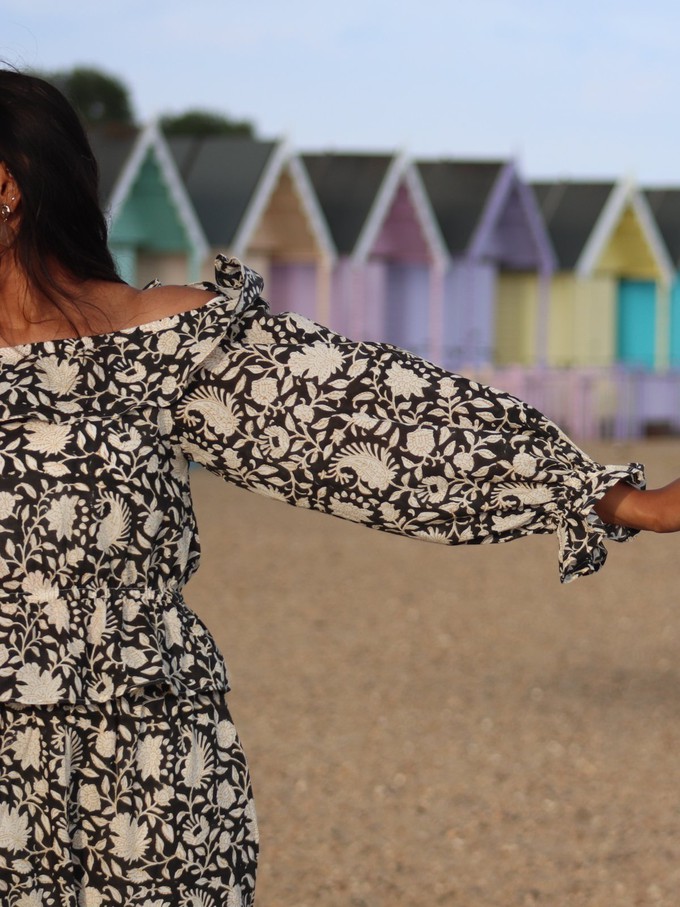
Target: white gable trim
123, 185
378, 212
150, 138
426, 216
624, 193
312, 208
653, 236
603, 229
260, 198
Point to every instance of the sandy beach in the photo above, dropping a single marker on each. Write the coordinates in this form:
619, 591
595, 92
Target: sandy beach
449, 726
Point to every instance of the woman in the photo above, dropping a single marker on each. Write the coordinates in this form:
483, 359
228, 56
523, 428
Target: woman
122, 780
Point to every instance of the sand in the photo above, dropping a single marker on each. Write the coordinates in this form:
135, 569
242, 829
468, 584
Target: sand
449, 726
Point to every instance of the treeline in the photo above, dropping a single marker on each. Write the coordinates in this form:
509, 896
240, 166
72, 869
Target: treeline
102, 99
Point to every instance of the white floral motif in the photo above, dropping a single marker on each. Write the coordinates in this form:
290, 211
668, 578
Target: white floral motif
264, 391
420, 442
317, 361
349, 511
38, 588
88, 797
60, 377
304, 413
277, 440
464, 461
27, 748
106, 744
57, 613
404, 382
36, 685
226, 734
13, 828
524, 464
90, 897
31, 899
173, 627
447, 387
131, 837
61, 515
168, 341
46, 437
149, 756
7, 502
126, 441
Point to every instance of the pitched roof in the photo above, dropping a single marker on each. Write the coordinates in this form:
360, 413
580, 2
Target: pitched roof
221, 175
571, 211
112, 146
665, 207
346, 186
458, 192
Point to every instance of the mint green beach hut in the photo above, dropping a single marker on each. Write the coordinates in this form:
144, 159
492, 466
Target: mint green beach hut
153, 229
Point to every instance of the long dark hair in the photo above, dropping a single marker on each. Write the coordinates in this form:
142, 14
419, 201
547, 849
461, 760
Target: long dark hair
62, 227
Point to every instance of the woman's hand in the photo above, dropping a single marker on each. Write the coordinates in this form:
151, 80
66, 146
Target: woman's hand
657, 510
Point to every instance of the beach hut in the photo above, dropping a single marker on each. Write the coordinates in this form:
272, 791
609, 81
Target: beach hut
153, 229
254, 201
494, 305
664, 204
388, 278
609, 298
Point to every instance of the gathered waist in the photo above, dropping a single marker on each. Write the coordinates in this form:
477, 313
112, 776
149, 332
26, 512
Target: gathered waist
97, 642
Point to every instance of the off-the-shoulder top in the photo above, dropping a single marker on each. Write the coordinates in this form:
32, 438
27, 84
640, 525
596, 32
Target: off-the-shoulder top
97, 532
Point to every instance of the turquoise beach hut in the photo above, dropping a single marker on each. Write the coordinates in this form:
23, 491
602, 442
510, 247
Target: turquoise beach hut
153, 228
665, 207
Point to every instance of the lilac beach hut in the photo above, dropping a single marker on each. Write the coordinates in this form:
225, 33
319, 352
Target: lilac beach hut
388, 279
501, 260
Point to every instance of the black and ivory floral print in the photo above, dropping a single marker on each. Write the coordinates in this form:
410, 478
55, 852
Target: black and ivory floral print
122, 780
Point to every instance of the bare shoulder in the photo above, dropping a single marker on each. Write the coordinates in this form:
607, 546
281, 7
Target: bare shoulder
163, 301
127, 306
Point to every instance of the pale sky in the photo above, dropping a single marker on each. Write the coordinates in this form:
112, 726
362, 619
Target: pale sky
580, 89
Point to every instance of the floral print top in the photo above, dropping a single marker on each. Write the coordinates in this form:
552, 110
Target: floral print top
97, 533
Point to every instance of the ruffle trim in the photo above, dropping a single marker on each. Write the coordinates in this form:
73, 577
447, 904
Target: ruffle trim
96, 644
150, 363
581, 534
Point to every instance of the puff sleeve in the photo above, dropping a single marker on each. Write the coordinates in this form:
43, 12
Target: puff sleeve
373, 434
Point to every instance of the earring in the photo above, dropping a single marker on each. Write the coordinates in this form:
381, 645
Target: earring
6, 232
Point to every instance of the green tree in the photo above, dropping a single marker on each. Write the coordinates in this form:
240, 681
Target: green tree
98, 97
205, 122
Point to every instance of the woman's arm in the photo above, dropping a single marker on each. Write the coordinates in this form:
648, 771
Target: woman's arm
371, 433
656, 510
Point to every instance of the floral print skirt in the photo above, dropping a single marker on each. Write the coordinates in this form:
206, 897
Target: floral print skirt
144, 799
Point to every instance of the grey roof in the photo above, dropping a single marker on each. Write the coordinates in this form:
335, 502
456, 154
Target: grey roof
458, 192
570, 211
665, 207
112, 147
221, 175
346, 186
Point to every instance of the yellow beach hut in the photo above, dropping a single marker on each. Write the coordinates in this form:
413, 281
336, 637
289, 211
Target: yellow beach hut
609, 298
